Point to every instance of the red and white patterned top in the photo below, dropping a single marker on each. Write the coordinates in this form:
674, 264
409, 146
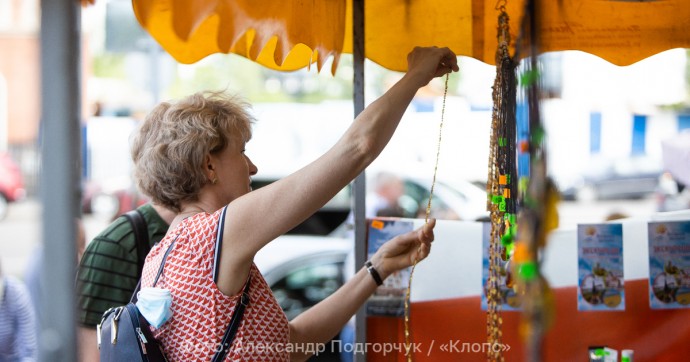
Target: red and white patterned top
201, 312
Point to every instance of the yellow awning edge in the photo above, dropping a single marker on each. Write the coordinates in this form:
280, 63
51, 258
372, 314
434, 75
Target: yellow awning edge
282, 35
289, 35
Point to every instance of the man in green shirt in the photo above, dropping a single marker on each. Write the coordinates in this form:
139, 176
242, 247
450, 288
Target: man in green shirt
109, 271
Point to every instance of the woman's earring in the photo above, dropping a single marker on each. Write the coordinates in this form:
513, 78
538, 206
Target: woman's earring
215, 180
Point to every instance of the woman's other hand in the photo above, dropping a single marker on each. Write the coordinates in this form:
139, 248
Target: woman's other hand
402, 251
427, 63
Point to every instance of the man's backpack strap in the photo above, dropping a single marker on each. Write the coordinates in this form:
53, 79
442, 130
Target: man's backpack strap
141, 236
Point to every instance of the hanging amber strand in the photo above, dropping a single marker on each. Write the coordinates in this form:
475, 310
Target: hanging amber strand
408, 336
538, 214
501, 185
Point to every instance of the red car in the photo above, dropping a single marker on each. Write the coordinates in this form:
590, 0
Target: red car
108, 201
11, 184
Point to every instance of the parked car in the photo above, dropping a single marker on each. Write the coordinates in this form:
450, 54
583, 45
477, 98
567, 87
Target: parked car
631, 177
11, 184
303, 270
109, 200
453, 200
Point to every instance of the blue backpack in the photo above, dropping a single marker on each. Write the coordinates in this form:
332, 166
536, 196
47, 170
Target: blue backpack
125, 335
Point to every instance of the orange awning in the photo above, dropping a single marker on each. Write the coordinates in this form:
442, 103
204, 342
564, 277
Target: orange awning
288, 35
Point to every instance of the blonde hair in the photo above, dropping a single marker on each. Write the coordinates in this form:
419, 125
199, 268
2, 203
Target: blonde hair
170, 147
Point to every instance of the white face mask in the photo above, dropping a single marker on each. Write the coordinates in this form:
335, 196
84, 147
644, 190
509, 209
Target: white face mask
154, 304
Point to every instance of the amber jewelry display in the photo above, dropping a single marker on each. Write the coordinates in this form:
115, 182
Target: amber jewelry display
408, 337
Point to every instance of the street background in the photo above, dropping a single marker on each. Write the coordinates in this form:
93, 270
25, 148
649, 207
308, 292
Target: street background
594, 112
21, 231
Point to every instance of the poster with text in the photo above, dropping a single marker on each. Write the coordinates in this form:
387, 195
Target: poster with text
508, 300
669, 264
389, 298
600, 267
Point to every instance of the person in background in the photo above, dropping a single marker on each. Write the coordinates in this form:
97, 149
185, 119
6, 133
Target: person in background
194, 163
17, 321
671, 194
34, 270
388, 188
109, 272
381, 201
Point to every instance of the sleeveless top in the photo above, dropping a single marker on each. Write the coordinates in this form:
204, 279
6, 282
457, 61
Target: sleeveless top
200, 311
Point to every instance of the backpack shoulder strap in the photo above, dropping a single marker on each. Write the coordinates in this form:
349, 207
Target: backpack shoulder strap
141, 236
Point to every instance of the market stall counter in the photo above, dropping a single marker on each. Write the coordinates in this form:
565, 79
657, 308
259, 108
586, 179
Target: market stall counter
448, 322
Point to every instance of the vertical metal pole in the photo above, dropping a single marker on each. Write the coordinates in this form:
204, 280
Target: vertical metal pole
4, 128
59, 186
359, 185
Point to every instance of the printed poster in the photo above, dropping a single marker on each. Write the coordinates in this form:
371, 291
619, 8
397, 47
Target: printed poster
508, 299
600, 267
389, 298
669, 264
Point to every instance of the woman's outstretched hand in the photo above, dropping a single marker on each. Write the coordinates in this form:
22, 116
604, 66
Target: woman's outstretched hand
427, 63
402, 251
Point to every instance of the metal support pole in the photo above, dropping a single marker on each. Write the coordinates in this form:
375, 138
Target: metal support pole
359, 185
59, 186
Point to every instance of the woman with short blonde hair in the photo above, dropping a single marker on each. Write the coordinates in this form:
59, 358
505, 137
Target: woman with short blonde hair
169, 149
189, 156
